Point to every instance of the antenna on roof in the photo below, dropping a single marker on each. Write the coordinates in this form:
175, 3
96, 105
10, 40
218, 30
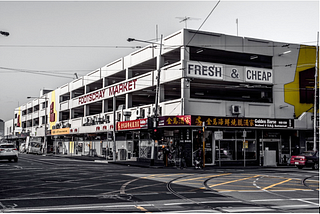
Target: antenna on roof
76, 75
185, 19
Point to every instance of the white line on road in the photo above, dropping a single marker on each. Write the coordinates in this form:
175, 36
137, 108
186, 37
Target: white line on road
201, 202
84, 207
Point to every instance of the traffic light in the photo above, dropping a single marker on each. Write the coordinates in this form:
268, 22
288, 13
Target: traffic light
156, 134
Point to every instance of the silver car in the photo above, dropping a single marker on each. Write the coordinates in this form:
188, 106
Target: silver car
8, 151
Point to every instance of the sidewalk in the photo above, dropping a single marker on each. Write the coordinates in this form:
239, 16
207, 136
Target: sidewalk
159, 165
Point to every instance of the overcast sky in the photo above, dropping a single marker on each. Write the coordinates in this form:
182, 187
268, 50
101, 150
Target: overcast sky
50, 41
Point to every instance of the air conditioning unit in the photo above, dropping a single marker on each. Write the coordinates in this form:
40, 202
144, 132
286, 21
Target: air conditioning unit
121, 107
236, 109
107, 118
99, 120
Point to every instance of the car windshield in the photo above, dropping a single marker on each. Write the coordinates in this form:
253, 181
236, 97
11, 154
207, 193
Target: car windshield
307, 153
6, 146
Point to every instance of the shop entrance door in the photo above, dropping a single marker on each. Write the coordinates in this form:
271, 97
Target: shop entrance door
197, 143
272, 146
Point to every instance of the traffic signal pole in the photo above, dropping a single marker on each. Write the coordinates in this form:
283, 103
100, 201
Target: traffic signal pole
203, 145
155, 118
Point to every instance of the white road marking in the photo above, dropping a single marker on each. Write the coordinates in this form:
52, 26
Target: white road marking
84, 207
201, 202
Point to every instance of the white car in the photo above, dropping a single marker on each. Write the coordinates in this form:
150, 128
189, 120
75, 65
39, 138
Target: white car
23, 148
8, 151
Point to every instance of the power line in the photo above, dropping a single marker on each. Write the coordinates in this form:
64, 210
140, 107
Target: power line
204, 22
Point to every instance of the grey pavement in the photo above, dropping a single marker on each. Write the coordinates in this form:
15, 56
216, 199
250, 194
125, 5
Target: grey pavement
147, 164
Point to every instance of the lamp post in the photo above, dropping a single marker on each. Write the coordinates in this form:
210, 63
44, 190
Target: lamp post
45, 124
155, 118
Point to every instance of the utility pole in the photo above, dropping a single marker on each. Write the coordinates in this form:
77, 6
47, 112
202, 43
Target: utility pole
315, 98
155, 118
114, 153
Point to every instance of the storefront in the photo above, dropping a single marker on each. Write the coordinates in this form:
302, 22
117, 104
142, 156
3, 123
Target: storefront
228, 141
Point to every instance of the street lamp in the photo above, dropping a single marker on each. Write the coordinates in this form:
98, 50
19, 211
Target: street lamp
45, 125
155, 118
4, 33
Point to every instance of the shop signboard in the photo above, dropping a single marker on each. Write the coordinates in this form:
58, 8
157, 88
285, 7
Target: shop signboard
132, 124
218, 135
188, 120
205, 70
62, 131
242, 122
179, 120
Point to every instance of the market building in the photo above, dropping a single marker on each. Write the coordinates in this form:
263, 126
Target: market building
253, 99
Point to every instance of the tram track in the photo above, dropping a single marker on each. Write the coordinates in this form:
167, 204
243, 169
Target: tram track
202, 205
265, 190
308, 186
205, 183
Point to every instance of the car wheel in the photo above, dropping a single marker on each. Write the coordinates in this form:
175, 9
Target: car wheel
315, 166
300, 167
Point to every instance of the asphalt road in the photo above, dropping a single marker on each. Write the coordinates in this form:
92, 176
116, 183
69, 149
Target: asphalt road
57, 184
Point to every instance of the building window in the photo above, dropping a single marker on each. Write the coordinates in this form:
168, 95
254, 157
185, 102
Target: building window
306, 85
201, 89
230, 58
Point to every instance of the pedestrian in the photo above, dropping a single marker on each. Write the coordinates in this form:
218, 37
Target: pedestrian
183, 159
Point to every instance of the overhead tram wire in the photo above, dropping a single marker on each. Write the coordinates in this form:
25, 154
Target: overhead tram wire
69, 46
35, 72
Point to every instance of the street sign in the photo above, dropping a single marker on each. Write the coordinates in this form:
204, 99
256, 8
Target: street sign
245, 144
244, 133
218, 135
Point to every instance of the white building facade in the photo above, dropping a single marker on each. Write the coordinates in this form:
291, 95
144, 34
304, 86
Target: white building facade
250, 94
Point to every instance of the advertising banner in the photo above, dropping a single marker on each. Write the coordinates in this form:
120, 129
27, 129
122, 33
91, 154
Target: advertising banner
132, 124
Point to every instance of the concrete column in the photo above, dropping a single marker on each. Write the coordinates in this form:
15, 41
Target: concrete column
128, 101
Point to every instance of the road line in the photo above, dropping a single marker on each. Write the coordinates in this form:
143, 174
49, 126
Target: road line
201, 202
123, 187
209, 176
72, 207
292, 206
308, 202
268, 187
142, 209
228, 182
247, 209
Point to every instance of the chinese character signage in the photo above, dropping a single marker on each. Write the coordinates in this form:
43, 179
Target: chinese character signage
175, 120
188, 120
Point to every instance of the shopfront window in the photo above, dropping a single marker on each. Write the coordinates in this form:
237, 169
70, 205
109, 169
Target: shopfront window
231, 147
250, 152
227, 150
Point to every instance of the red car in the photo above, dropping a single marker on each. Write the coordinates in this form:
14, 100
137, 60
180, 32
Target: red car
306, 159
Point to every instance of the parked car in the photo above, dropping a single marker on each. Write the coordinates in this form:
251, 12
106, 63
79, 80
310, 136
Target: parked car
8, 151
34, 148
306, 159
